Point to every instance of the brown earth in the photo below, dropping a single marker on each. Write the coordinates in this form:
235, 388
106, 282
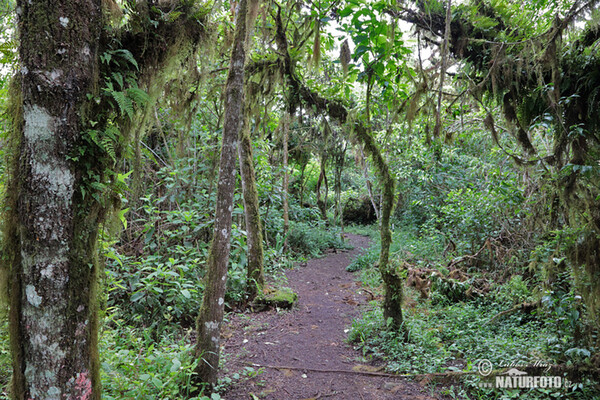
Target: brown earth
303, 353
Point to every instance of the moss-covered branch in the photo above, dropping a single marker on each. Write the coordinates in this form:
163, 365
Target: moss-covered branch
300, 94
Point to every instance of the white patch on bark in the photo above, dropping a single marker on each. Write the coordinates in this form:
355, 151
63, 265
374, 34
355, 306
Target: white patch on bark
64, 21
60, 179
37, 123
39, 339
53, 393
211, 325
53, 76
224, 233
223, 278
221, 301
47, 272
32, 296
48, 168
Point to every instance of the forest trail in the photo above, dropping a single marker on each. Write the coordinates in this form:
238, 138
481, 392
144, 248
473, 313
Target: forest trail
309, 338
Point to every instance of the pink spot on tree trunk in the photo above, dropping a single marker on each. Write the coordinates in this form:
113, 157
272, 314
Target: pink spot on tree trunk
83, 386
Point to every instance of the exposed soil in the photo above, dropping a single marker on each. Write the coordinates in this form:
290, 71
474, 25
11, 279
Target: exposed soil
292, 349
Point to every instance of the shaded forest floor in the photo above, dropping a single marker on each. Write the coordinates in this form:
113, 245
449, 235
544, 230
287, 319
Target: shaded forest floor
303, 353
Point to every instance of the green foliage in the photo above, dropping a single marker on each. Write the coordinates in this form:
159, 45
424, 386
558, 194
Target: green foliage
5, 358
366, 259
312, 240
449, 333
135, 365
448, 291
515, 291
455, 337
153, 293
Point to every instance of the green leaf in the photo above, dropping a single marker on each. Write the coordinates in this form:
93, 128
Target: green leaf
176, 365
139, 96
118, 78
360, 50
126, 55
137, 296
125, 104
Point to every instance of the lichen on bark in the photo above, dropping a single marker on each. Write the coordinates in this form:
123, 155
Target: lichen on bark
255, 275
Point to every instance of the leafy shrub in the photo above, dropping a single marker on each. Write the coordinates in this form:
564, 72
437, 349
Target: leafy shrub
366, 259
134, 365
153, 293
447, 290
310, 240
515, 291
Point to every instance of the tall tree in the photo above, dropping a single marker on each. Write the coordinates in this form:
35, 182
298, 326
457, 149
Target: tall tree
59, 181
54, 273
255, 278
212, 309
285, 128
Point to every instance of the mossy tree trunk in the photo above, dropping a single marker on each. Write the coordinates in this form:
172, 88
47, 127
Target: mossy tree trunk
286, 179
256, 278
392, 280
54, 269
322, 202
340, 158
53, 211
212, 309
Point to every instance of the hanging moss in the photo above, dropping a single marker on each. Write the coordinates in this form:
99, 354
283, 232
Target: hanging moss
300, 94
533, 76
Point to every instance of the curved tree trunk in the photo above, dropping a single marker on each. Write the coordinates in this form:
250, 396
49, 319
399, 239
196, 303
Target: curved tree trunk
53, 306
391, 277
256, 278
392, 280
212, 309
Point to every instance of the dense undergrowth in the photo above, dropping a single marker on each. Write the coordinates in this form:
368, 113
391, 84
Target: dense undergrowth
484, 284
482, 244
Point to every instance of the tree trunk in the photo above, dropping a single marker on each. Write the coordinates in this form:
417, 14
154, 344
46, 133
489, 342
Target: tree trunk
302, 169
212, 309
339, 169
322, 203
256, 277
286, 180
392, 280
365, 170
53, 305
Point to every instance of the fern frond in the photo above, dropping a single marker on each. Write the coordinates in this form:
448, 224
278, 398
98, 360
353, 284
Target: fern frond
118, 78
125, 103
127, 56
108, 145
139, 96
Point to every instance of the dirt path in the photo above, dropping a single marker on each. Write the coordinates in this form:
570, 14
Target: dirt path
308, 338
